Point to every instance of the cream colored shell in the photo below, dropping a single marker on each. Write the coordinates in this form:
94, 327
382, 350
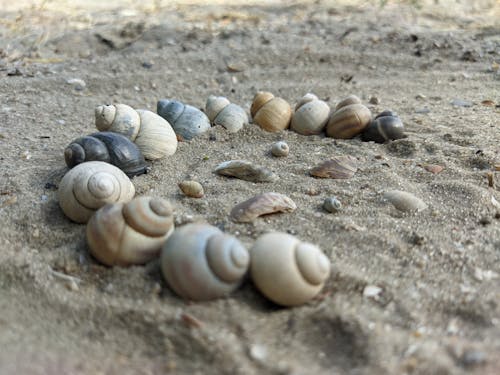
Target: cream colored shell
126, 234
151, 133
311, 115
286, 270
91, 185
222, 112
200, 262
271, 113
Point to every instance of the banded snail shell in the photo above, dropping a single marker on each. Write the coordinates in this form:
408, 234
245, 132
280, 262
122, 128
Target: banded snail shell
91, 185
311, 115
126, 234
221, 111
286, 270
108, 147
154, 136
187, 121
271, 113
348, 121
200, 262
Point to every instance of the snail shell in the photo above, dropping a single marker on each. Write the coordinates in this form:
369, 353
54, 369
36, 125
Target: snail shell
153, 135
109, 147
280, 148
271, 113
386, 126
191, 189
351, 99
126, 234
332, 204
221, 112
311, 115
187, 121
348, 121
286, 270
200, 262
91, 185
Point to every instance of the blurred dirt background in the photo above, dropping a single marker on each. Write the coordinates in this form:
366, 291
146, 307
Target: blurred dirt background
436, 273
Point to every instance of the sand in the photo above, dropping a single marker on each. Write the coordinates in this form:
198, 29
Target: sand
408, 294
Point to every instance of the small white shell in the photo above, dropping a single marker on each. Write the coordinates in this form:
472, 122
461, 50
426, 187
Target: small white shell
91, 185
200, 262
311, 115
280, 149
221, 112
132, 233
286, 270
404, 201
152, 134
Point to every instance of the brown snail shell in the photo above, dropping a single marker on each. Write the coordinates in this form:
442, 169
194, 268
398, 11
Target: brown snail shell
351, 99
126, 234
191, 189
91, 185
386, 126
200, 262
286, 270
271, 113
109, 147
348, 121
311, 115
152, 134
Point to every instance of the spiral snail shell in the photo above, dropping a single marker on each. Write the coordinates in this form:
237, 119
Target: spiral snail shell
311, 115
200, 262
221, 111
286, 270
348, 121
91, 185
152, 134
187, 121
271, 113
386, 126
109, 147
126, 234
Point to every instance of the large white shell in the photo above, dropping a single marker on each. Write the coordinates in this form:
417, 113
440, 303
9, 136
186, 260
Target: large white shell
152, 134
91, 185
221, 112
311, 115
200, 262
286, 270
131, 233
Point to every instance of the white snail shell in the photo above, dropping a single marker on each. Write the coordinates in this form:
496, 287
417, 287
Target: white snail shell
271, 113
200, 262
311, 115
152, 134
222, 112
91, 185
286, 270
126, 234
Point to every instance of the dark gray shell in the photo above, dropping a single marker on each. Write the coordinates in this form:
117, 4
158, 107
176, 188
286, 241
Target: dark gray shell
384, 128
112, 148
187, 121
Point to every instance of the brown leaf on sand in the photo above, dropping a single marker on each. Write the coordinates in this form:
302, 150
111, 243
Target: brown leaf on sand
337, 167
262, 204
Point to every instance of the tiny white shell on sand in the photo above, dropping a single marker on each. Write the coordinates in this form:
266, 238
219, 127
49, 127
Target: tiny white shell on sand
404, 201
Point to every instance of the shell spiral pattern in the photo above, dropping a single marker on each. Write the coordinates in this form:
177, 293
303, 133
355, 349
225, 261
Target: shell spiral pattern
91, 185
222, 112
200, 262
132, 233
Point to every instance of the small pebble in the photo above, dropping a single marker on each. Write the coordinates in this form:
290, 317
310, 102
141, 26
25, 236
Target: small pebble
422, 110
371, 291
26, 155
280, 149
374, 100
332, 204
460, 103
258, 353
77, 83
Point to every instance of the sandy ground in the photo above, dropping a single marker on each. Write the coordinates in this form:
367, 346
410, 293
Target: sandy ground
438, 271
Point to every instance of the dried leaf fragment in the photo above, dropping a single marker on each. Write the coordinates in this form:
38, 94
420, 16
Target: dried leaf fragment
262, 204
337, 167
